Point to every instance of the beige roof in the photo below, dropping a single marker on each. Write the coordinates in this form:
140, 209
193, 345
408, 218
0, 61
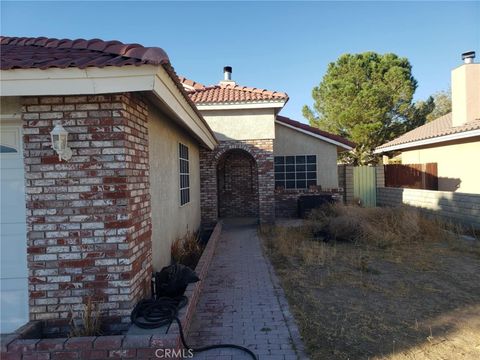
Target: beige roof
434, 129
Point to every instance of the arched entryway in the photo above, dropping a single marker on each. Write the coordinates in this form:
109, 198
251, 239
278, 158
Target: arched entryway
237, 185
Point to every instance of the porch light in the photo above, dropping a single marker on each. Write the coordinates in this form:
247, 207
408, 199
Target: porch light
60, 143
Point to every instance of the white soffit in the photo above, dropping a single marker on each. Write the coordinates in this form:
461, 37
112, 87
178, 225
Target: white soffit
245, 105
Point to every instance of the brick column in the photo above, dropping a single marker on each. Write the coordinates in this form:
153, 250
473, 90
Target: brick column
88, 219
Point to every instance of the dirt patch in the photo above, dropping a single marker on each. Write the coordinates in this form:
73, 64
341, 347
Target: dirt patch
409, 291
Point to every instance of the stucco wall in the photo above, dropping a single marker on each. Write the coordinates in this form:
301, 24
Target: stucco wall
465, 93
247, 124
290, 142
10, 106
169, 219
456, 164
462, 208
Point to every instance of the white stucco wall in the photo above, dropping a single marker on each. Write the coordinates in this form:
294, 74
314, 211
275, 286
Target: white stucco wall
241, 124
291, 142
169, 219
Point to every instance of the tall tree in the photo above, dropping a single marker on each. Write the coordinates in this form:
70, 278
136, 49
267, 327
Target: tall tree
443, 105
367, 98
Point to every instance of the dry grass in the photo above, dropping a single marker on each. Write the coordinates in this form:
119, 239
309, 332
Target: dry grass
378, 287
381, 227
86, 322
187, 250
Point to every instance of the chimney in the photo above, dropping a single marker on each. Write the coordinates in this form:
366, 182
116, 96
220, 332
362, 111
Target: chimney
227, 76
466, 90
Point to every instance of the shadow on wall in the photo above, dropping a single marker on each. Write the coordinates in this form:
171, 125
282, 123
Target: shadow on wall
448, 184
462, 208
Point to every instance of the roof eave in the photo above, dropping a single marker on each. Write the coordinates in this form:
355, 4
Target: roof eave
279, 104
92, 80
423, 142
315, 135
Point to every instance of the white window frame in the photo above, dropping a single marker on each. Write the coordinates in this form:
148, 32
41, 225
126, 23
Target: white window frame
184, 174
306, 172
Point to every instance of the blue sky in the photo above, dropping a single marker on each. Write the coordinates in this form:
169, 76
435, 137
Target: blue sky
284, 46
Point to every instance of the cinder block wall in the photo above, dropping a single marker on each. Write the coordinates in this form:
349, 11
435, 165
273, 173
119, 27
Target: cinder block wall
459, 207
88, 219
345, 181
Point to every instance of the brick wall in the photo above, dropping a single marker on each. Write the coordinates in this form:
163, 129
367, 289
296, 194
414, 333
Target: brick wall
88, 219
28, 342
459, 207
286, 201
262, 153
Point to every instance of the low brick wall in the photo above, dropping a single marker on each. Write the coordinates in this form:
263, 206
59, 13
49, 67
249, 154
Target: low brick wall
286, 201
458, 207
18, 347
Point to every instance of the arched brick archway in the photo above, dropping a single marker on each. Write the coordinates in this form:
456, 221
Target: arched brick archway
261, 152
237, 184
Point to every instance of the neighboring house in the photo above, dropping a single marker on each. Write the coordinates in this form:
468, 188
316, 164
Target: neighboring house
98, 223
452, 141
142, 167
264, 161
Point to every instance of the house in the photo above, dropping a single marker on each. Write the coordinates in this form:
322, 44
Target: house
264, 161
453, 140
107, 156
98, 223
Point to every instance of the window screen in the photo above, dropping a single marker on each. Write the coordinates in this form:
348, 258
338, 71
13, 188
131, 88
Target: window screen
295, 172
184, 174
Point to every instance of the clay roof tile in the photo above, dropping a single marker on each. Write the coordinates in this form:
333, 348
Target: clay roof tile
45, 52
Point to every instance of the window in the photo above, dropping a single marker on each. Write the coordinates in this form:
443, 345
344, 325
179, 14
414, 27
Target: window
295, 172
184, 174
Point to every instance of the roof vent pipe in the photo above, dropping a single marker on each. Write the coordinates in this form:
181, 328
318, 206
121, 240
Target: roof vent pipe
468, 57
227, 73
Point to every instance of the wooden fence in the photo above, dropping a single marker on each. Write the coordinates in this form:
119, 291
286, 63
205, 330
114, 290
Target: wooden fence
413, 176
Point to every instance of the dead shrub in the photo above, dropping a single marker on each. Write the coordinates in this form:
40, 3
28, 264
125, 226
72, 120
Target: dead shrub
187, 250
381, 227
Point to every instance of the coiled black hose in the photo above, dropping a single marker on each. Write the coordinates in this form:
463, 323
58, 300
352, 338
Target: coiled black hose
155, 313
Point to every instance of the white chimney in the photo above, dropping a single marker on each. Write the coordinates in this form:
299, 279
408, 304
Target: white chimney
466, 91
227, 76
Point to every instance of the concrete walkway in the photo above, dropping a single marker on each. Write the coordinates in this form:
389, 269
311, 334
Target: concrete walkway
242, 302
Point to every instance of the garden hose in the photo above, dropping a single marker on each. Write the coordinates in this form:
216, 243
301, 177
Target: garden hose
154, 313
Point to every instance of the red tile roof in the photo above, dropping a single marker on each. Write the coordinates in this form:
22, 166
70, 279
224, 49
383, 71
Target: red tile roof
229, 93
43, 53
313, 130
436, 128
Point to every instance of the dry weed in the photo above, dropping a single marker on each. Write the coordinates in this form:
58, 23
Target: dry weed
187, 250
381, 227
86, 322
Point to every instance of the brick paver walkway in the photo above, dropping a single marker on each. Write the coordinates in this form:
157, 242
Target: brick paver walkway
242, 302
